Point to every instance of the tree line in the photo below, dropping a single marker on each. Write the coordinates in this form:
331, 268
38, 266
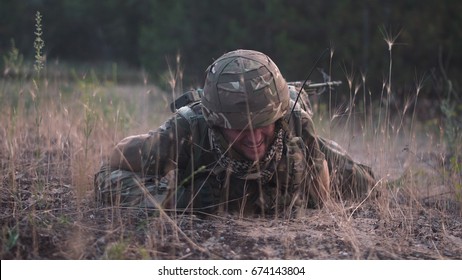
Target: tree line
419, 38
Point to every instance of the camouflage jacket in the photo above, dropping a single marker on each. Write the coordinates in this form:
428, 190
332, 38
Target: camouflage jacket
182, 145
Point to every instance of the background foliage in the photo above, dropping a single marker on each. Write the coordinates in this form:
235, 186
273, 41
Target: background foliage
149, 34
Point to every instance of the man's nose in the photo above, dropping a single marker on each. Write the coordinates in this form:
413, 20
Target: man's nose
256, 135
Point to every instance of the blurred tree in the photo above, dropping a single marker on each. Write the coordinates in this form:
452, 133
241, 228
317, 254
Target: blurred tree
13, 25
150, 34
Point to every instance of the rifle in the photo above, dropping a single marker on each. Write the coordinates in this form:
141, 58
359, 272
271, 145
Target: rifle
301, 95
316, 88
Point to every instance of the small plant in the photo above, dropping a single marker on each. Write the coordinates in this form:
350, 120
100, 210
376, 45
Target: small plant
116, 251
451, 110
39, 44
13, 61
11, 236
456, 166
39, 65
89, 125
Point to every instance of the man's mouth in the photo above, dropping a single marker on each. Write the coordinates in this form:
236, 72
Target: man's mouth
253, 145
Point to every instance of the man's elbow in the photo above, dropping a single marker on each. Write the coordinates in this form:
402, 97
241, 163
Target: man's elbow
127, 155
116, 159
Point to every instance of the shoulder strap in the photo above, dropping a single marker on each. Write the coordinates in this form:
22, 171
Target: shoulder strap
198, 131
294, 128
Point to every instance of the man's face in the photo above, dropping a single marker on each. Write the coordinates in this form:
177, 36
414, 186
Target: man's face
252, 144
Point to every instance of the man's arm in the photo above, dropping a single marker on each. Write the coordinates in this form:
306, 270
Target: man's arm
156, 152
322, 191
127, 153
324, 184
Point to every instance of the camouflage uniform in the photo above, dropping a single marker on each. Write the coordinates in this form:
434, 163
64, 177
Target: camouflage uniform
243, 90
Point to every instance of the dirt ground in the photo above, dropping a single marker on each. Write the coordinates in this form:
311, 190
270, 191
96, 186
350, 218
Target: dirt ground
50, 220
422, 233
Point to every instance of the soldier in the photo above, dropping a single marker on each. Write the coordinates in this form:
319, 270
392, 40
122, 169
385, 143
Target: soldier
245, 146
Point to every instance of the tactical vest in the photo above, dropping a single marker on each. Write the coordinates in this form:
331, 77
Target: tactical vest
290, 173
349, 179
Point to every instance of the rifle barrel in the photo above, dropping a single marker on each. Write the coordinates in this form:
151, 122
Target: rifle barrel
316, 85
333, 83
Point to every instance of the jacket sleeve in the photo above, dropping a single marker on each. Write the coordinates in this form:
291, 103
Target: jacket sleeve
319, 183
156, 152
314, 154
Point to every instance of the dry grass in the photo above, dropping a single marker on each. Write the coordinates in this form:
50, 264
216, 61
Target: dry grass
57, 131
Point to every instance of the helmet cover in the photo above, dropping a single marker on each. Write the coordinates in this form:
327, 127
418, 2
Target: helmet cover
244, 89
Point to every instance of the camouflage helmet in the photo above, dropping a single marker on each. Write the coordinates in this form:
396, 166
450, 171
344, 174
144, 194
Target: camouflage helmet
244, 88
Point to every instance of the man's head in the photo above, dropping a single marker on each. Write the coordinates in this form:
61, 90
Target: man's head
244, 96
244, 89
